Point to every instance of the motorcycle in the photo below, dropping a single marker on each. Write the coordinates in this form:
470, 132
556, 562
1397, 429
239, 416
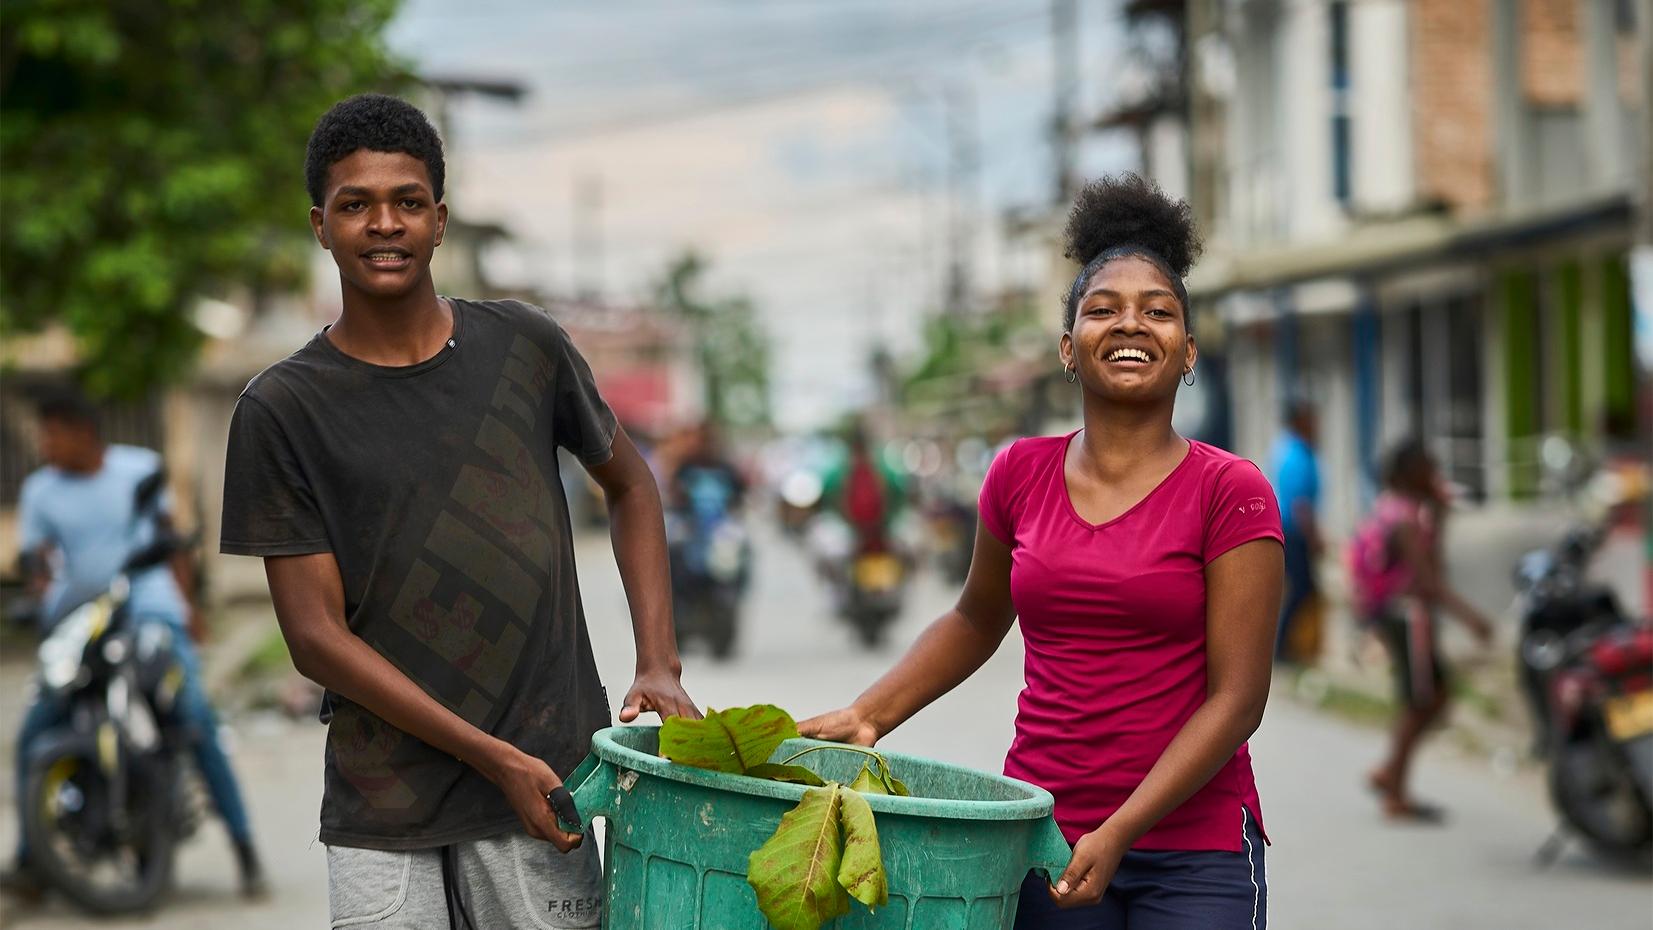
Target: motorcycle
1587, 672
867, 575
711, 558
108, 798
876, 584
952, 536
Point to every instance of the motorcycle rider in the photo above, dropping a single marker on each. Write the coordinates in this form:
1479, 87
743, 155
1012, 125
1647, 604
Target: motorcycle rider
704, 464
705, 490
866, 492
76, 527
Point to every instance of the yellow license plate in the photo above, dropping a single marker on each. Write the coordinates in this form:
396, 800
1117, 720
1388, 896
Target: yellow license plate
1630, 716
877, 572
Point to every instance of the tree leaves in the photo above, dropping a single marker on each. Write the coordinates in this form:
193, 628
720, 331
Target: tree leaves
825, 850
733, 740
876, 778
861, 872
792, 774
154, 153
795, 873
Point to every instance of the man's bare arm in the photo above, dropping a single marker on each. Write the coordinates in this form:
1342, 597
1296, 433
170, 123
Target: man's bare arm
309, 602
637, 530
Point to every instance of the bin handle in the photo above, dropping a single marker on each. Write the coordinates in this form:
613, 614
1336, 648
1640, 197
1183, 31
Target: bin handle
592, 785
1050, 853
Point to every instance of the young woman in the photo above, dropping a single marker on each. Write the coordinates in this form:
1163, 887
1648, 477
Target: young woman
1146, 571
1399, 583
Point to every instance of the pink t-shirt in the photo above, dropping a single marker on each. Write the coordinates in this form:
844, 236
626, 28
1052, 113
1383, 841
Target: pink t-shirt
1113, 617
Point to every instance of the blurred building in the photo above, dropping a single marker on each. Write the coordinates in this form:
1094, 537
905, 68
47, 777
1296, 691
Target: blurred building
1418, 213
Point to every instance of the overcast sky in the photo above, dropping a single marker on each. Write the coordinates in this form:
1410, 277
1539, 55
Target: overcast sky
801, 146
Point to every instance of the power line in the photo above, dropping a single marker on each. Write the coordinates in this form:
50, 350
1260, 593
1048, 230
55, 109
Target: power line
793, 82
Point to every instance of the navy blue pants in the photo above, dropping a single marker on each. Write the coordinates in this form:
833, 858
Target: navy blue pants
1300, 585
1155, 890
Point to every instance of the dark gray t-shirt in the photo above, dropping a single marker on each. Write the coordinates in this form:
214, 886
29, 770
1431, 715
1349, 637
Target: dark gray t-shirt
436, 488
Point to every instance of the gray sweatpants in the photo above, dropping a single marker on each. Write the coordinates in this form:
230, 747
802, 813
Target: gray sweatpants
510, 880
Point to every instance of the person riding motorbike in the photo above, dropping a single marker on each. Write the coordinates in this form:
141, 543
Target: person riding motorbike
710, 553
75, 519
866, 492
857, 546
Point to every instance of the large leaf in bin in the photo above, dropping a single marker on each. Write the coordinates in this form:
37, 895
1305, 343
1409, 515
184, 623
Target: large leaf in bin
793, 774
731, 740
795, 874
862, 871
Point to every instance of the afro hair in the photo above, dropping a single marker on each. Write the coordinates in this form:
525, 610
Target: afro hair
375, 122
1129, 215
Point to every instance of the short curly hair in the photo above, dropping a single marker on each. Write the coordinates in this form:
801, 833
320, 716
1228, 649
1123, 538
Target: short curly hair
1124, 215
376, 122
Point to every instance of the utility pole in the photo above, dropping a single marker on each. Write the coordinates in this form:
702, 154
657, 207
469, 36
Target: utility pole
1641, 272
1064, 45
1203, 38
587, 236
963, 164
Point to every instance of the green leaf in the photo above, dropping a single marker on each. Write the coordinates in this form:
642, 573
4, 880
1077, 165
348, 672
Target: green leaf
876, 778
862, 871
895, 785
731, 740
792, 774
868, 783
796, 873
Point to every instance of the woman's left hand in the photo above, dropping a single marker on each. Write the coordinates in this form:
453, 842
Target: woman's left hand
1095, 859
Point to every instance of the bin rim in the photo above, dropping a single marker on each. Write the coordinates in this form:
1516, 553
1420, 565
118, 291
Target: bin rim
1037, 805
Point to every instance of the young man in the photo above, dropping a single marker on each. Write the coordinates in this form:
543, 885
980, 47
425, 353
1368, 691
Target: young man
76, 527
398, 475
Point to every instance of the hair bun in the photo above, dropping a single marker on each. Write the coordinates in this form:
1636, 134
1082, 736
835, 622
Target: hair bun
1128, 209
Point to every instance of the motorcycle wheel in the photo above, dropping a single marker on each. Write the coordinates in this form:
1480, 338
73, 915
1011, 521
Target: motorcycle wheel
869, 627
70, 841
1599, 799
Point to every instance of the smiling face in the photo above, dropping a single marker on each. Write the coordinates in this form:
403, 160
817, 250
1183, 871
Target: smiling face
381, 221
1130, 340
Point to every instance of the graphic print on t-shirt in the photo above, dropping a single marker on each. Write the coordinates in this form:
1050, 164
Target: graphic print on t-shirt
436, 488
508, 493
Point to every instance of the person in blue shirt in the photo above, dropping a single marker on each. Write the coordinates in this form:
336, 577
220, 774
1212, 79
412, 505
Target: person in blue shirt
76, 529
1295, 469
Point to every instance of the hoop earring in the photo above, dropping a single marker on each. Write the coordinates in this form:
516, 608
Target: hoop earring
1188, 377
1073, 375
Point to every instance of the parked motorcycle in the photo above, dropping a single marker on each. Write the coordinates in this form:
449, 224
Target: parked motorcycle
1587, 672
711, 558
108, 797
951, 525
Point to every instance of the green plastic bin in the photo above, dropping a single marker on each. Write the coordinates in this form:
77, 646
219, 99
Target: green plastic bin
678, 838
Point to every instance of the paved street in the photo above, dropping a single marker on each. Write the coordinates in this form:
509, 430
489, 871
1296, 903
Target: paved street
1334, 864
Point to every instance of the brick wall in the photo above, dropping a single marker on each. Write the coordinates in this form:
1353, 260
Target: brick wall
1451, 65
1552, 57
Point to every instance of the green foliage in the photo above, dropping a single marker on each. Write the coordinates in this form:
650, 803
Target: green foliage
825, 850
957, 344
795, 874
153, 151
876, 778
730, 345
861, 872
791, 774
733, 740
